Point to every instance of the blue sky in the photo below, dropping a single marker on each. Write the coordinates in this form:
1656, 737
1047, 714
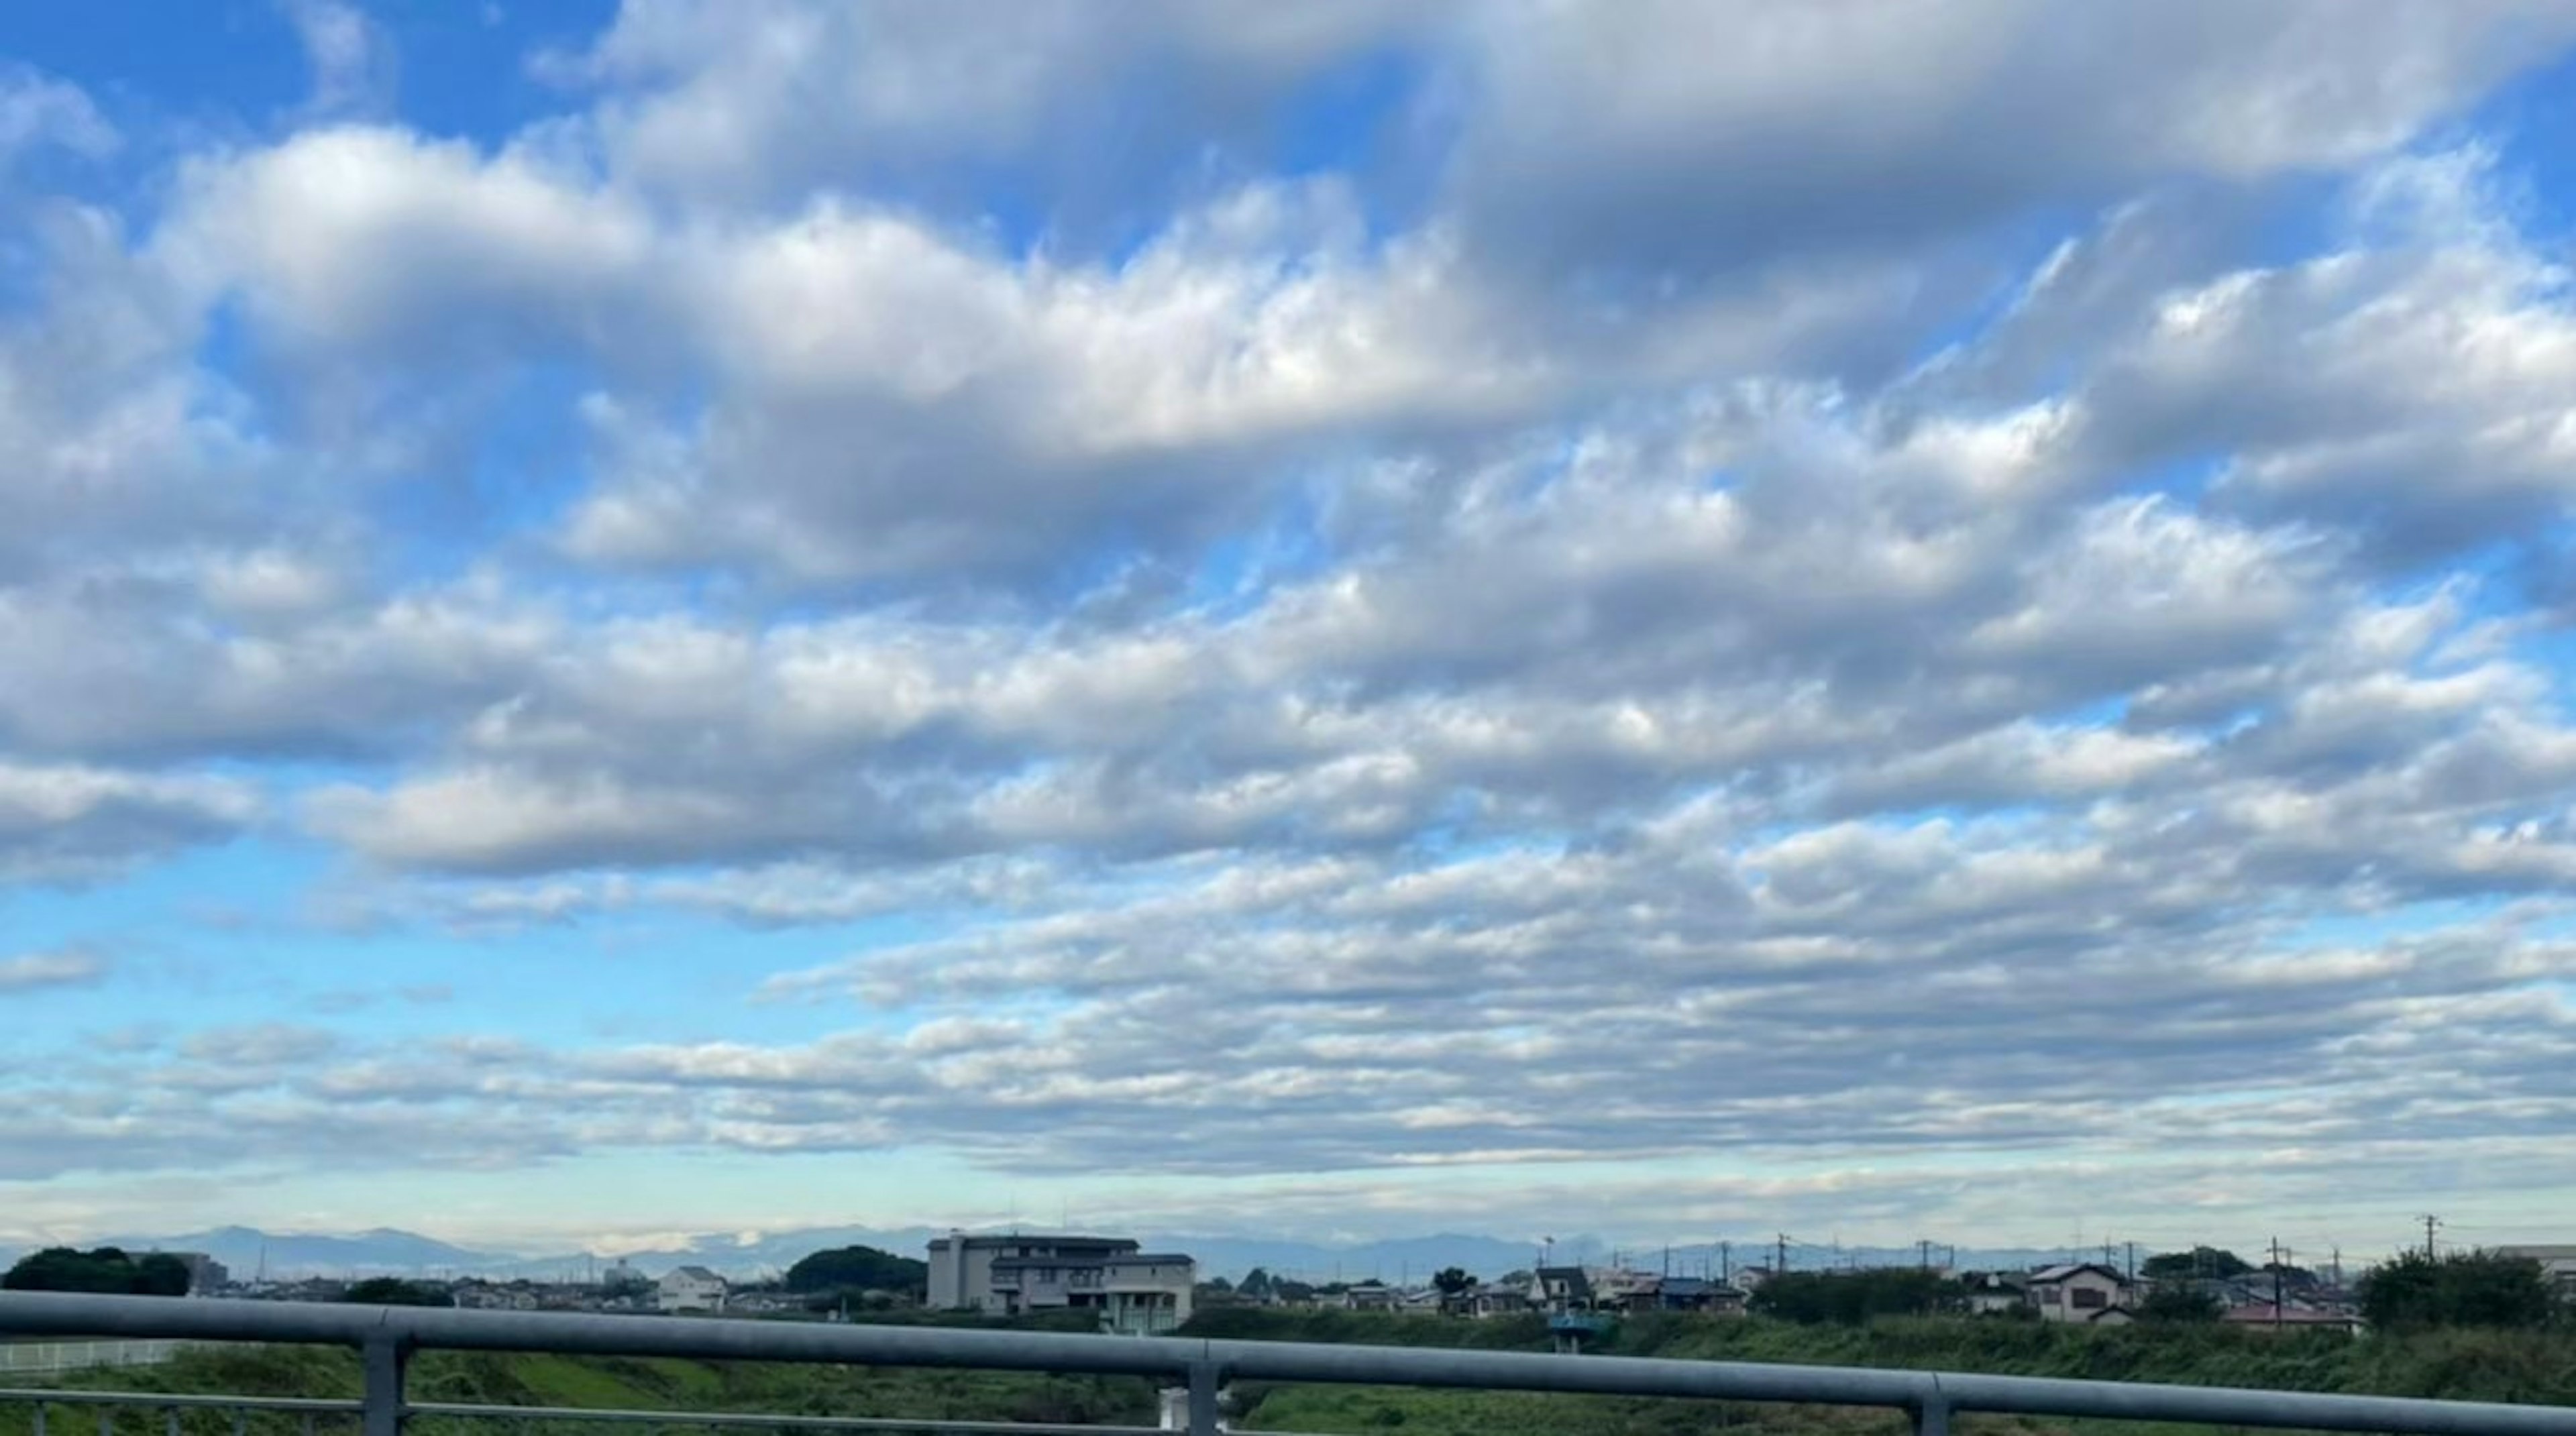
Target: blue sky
1343, 620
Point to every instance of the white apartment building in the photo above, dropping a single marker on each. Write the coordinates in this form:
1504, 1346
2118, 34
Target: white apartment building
690, 1288
1135, 1291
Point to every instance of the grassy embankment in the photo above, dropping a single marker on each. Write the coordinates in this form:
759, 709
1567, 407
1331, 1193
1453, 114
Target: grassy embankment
2460, 1365
2455, 1365
537, 1379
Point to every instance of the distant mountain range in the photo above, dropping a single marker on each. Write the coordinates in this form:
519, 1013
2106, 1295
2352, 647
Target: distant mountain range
248, 1251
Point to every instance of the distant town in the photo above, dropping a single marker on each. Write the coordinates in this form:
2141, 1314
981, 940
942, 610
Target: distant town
1117, 1285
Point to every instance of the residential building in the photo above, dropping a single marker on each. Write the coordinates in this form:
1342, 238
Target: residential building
1993, 1293
1134, 1290
1497, 1301
690, 1288
1559, 1289
2558, 1263
2077, 1291
1369, 1295
1682, 1293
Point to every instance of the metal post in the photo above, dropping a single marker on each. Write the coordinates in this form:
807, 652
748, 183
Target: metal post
1203, 1382
384, 1358
40, 1419
1932, 1416
170, 1422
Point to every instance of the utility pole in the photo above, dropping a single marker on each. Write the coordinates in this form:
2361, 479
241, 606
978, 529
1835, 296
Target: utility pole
1726, 1262
1923, 1254
2430, 1222
2277, 1254
1780, 1257
2133, 1263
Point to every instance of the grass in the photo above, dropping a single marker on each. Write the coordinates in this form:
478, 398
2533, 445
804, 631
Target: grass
628, 1383
2525, 1367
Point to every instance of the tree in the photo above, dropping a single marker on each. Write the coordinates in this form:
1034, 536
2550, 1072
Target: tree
1219, 1292
105, 1270
161, 1274
1256, 1284
2471, 1288
1454, 1282
1289, 1290
2176, 1301
394, 1291
858, 1269
2207, 1263
1853, 1298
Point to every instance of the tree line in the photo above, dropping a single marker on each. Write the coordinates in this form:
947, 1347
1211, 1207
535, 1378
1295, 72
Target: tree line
104, 1271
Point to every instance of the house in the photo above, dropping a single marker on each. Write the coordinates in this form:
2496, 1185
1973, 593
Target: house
1369, 1295
1993, 1293
1691, 1293
1687, 1293
690, 1288
2076, 1291
1625, 1289
478, 1295
1487, 1301
1421, 1301
1137, 1292
1558, 1289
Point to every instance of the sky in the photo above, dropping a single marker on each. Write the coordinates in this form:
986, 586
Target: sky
1673, 620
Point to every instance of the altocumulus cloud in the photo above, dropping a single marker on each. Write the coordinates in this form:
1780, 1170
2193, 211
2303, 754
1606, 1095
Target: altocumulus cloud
1402, 614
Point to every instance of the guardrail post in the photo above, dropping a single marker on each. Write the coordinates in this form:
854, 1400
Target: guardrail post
384, 1357
1932, 1416
1203, 1384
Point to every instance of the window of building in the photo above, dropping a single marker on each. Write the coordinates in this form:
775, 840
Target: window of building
2087, 1296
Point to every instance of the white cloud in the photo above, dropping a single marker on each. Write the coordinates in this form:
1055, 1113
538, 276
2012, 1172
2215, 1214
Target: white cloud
37, 109
70, 967
1560, 642
350, 57
74, 822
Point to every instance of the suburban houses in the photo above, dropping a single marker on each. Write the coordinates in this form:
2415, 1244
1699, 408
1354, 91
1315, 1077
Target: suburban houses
1119, 1286
1136, 1292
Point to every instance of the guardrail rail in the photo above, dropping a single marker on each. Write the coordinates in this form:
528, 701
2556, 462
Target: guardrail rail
386, 1337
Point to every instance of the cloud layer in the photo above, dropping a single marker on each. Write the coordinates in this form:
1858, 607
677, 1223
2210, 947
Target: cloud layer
1508, 590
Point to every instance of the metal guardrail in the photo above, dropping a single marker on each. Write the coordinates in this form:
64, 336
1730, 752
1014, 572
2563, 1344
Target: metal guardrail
45, 1358
385, 1338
